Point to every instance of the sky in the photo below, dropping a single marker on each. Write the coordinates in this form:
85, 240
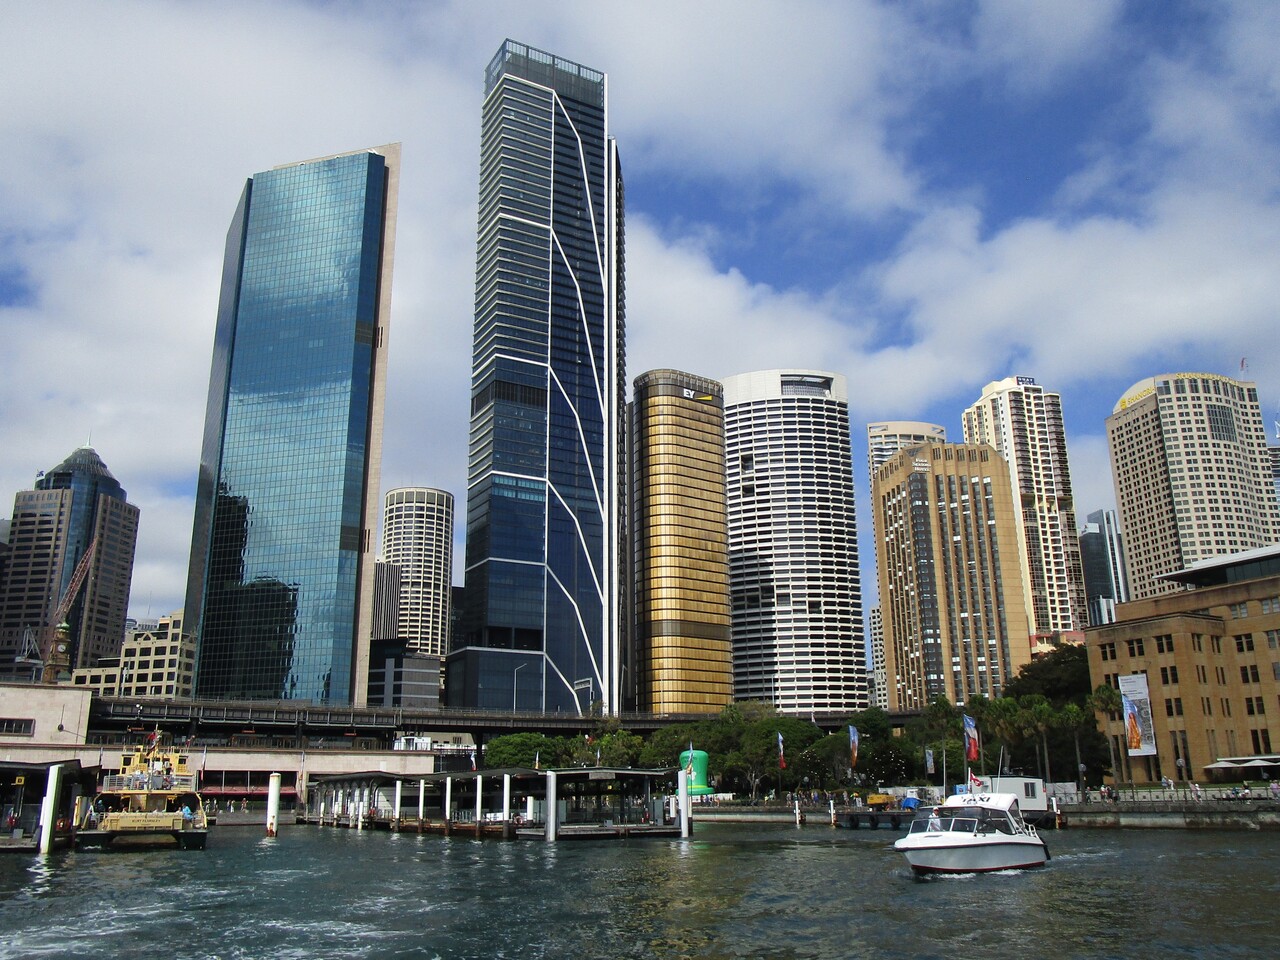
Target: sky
922, 195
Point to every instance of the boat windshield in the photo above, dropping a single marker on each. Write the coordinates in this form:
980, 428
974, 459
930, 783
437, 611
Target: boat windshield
944, 824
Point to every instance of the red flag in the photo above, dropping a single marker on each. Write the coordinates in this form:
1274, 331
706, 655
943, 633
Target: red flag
782, 757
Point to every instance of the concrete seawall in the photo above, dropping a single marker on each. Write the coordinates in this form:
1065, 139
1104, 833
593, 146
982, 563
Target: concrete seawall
1129, 815
1174, 815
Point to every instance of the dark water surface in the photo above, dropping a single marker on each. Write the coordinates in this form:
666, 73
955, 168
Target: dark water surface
732, 891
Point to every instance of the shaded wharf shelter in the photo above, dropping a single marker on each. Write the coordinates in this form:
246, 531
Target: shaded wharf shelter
504, 802
39, 802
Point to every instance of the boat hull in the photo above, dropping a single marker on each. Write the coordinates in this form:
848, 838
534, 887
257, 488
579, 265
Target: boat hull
120, 839
973, 855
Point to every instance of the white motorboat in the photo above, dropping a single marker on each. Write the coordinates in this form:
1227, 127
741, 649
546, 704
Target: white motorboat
973, 833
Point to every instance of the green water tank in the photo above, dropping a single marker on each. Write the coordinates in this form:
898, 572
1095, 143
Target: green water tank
695, 763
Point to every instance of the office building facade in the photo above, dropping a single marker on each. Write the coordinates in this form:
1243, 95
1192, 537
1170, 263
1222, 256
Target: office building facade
879, 695
541, 626
1207, 659
386, 602
1102, 559
884, 440
280, 584
950, 574
75, 531
886, 437
1023, 423
156, 660
1192, 478
417, 536
679, 619
1273, 454
795, 587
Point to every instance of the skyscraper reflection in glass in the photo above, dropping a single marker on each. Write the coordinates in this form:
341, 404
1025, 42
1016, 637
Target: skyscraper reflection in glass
281, 573
541, 621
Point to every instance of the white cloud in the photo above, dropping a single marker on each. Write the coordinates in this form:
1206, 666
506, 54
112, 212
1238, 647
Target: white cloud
716, 324
1078, 299
739, 91
1036, 41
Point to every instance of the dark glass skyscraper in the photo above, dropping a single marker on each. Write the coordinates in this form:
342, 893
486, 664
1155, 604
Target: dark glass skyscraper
281, 578
540, 630
76, 509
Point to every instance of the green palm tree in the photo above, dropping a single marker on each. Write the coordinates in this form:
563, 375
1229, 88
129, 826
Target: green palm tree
1003, 722
1038, 717
1073, 718
1105, 699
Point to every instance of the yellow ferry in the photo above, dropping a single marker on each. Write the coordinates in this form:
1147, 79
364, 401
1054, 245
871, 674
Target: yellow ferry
154, 800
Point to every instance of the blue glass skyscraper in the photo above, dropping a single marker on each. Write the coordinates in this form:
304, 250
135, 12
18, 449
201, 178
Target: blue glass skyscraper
281, 576
540, 629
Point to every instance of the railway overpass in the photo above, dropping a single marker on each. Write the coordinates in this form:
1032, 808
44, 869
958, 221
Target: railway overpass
282, 722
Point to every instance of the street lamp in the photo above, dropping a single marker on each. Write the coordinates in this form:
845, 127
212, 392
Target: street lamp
588, 684
514, 674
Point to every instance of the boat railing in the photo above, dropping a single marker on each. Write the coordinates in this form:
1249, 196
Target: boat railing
117, 783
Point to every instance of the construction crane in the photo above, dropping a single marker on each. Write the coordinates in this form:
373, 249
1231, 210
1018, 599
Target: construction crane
55, 648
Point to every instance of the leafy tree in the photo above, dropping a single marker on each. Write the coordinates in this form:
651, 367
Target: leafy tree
758, 756
1037, 738
872, 723
620, 748
1060, 676
830, 758
607, 745
890, 762
746, 712
521, 750
664, 746
941, 717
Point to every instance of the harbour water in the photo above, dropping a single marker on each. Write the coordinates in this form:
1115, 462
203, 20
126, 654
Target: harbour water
732, 891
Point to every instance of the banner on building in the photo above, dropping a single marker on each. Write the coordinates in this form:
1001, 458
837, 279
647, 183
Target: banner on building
1139, 728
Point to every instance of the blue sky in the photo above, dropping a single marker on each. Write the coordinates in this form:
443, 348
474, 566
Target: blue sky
923, 196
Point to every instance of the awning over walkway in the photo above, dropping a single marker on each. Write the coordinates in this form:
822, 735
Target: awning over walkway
1244, 763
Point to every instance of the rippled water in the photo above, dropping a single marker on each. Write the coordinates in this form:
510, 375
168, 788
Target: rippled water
732, 891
